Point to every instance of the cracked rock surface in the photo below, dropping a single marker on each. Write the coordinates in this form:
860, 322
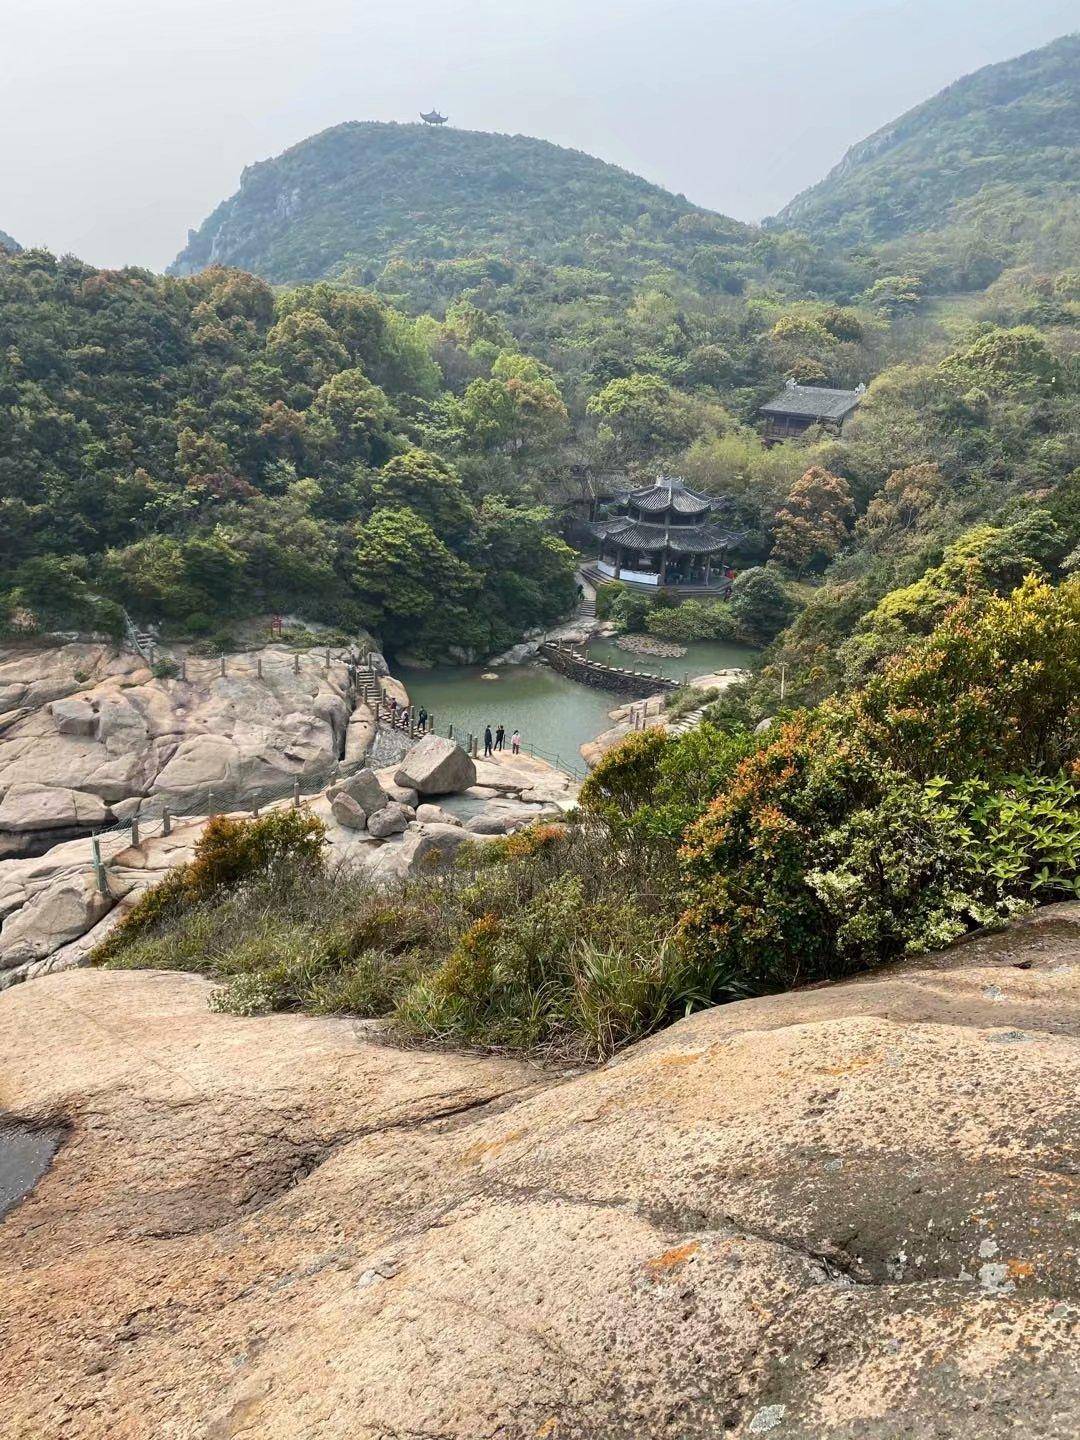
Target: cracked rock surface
845, 1212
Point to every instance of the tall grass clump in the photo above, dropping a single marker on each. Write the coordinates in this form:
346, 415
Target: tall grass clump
551, 940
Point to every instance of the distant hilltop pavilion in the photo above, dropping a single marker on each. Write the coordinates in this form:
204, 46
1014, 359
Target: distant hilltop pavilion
797, 407
665, 535
433, 118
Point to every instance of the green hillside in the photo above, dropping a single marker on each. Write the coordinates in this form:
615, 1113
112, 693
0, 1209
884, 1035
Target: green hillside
364, 193
7, 243
979, 153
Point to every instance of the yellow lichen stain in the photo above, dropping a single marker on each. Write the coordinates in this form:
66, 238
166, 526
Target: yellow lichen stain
547, 1429
1020, 1270
672, 1261
485, 1149
672, 1062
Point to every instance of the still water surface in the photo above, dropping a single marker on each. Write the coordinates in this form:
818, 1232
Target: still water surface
555, 715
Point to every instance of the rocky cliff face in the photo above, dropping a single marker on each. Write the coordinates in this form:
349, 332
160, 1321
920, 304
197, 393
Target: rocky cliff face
846, 1212
87, 735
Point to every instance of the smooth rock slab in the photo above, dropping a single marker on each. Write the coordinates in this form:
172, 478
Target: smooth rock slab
29, 807
51, 918
654, 1250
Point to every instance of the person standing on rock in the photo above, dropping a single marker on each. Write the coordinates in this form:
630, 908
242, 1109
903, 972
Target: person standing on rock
421, 720
500, 736
487, 741
515, 743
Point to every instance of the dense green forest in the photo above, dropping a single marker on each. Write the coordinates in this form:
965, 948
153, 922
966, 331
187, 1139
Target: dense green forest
202, 450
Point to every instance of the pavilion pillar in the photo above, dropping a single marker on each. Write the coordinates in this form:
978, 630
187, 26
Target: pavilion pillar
618, 562
708, 558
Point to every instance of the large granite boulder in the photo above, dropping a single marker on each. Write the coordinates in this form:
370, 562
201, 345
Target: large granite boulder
403, 794
436, 766
347, 812
392, 819
491, 823
435, 815
846, 1213
74, 717
421, 849
364, 788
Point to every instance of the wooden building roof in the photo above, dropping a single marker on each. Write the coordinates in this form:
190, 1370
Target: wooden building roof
813, 402
633, 534
668, 492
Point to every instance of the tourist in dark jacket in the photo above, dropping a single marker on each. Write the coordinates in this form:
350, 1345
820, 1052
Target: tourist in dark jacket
487, 741
500, 736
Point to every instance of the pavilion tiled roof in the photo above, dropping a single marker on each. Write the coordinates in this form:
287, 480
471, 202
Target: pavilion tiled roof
677, 540
668, 492
813, 402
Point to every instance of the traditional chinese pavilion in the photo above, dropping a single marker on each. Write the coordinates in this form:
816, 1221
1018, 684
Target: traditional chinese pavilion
797, 407
666, 535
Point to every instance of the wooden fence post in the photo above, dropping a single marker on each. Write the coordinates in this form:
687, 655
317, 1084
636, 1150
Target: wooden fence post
166, 821
99, 868
296, 794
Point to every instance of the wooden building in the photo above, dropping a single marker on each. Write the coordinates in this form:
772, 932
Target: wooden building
666, 536
797, 407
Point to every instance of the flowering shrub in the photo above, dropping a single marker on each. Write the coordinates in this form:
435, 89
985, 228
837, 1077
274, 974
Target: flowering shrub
940, 797
227, 852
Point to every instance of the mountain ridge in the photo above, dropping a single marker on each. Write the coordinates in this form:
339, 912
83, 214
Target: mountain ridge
992, 127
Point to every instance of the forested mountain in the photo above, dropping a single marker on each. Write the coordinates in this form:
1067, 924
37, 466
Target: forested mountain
997, 155
363, 193
7, 243
503, 322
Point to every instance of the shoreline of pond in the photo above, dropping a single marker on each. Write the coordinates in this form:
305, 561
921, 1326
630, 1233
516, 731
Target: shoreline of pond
555, 715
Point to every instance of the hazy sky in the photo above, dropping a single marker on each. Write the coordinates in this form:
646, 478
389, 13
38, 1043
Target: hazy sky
123, 122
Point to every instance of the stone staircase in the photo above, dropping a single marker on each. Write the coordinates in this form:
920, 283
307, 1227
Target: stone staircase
688, 722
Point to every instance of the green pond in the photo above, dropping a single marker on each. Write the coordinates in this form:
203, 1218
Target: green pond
555, 715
